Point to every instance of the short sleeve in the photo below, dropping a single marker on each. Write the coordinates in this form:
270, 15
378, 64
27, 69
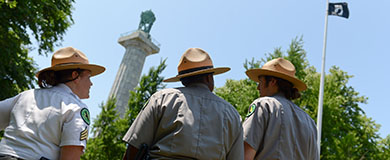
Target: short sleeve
237, 150
255, 124
315, 155
6, 107
144, 126
75, 127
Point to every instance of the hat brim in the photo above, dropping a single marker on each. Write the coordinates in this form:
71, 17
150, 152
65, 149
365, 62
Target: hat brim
95, 69
254, 74
215, 71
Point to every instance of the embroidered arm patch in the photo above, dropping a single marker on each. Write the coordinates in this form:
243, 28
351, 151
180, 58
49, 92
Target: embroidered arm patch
85, 115
252, 109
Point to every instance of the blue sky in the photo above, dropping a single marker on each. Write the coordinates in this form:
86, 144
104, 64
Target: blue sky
233, 31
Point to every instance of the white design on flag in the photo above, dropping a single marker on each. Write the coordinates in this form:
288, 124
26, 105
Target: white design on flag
338, 9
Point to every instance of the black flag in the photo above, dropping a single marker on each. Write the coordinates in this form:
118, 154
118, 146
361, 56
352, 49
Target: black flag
339, 9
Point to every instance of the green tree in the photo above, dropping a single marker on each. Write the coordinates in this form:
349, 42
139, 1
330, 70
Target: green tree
46, 21
108, 128
239, 93
347, 133
384, 147
148, 85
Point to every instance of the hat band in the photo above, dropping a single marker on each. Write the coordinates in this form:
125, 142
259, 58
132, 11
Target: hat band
62, 64
194, 69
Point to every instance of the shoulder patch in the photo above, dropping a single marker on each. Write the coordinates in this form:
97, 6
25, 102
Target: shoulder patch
85, 115
84, 134
252, 109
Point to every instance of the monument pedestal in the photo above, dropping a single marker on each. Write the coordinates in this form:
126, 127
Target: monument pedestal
138, 46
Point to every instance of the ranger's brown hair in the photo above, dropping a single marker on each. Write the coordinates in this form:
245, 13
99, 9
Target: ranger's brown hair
186, 81
284, 86
51, 78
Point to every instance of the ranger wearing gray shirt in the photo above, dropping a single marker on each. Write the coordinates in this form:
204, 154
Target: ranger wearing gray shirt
276, 128
188, 122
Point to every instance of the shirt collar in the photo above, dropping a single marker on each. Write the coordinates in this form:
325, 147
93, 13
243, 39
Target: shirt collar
202, 85
64, 88
279, 94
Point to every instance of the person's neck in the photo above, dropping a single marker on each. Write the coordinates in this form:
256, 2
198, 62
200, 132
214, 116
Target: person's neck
72, 87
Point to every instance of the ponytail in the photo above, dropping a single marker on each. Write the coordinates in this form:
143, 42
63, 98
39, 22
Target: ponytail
286, 87
51, 78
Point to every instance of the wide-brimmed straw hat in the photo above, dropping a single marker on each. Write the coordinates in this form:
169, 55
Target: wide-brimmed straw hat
71, 58
195, 61
280, 68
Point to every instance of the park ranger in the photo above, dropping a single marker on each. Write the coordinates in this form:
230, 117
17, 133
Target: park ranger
51, 122
188, 122
275, 127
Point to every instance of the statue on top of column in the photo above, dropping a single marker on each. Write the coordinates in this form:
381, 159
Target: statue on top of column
147, 20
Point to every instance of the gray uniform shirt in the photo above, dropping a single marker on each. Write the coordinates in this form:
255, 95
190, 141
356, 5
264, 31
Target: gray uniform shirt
188, 123
278, 129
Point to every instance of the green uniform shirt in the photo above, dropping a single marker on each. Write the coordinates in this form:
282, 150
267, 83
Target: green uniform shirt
188, 123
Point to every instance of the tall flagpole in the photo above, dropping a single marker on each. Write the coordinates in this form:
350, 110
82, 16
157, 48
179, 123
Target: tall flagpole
321, 94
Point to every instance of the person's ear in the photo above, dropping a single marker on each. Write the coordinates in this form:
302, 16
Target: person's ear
75, 75
210, 81
273, 81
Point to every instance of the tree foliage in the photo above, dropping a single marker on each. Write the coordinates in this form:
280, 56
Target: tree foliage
347, 133
108, 128
46, 21
384, 148
239, 93
148, 85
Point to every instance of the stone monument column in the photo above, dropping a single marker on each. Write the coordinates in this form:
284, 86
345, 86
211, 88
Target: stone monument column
138, 45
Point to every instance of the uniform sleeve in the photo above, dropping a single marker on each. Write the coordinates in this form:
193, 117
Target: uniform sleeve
315, 155
255, 125
6, 107
75, 126
237, 150
143, 128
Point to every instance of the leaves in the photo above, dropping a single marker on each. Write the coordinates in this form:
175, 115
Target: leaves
347, 133
147, 86
108, 129
47, 21
239, 93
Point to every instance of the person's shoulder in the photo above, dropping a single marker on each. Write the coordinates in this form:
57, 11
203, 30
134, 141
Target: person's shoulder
13, 99
223, 101
226, 105
30, 91
269, 103
264, 100
59, 93
165, 92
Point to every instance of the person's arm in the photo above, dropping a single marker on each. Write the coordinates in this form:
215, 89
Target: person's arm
255, 127
71, 152
249, 152
237, 149
6, 107
130, 153
143, 128
74, 132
